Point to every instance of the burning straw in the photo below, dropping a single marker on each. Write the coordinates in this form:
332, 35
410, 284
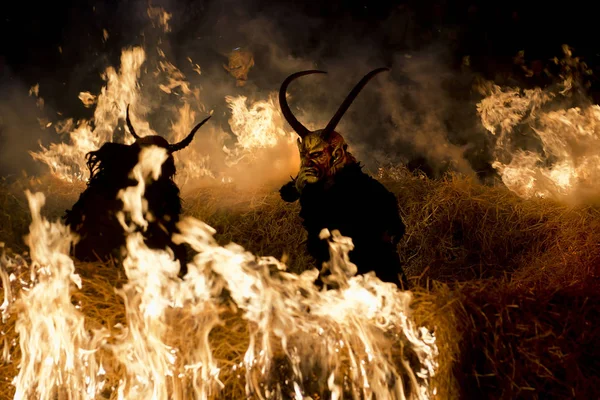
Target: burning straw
358, 340
508, 286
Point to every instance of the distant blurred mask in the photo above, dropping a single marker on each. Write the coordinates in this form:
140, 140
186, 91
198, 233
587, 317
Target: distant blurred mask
240, 62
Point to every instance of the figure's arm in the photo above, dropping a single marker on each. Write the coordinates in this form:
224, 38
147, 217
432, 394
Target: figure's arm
288, 192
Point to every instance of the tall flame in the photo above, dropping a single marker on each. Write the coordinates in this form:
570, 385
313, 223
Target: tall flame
258, 128
57, 350
67, 161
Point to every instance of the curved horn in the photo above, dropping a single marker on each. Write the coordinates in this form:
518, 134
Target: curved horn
131, 130
348, 101
285, 108
188, 139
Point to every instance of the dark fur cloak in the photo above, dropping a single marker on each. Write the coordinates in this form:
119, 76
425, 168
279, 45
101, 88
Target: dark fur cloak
361, 208
94, 216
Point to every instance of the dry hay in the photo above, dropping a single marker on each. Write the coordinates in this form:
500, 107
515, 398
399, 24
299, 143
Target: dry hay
509, 286
258, 220
14, 210
498, 341
460, 230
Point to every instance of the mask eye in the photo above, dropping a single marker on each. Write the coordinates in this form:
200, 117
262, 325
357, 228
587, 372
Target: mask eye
316, 154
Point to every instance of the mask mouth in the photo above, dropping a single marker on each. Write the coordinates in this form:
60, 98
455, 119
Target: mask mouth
311, 171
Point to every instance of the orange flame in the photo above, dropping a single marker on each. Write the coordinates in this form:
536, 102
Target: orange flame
566, 166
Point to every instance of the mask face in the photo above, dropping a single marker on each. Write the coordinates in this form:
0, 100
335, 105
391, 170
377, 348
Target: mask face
321, 159
239, 65
315, 160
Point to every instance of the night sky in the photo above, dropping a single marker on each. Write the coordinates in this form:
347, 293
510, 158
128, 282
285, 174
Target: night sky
491, 32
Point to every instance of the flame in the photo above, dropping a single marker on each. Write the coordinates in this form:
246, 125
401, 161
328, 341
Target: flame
159, 17
67, 161
563, 161
57, 350
35, 91
260, 126
348, 342
87, 99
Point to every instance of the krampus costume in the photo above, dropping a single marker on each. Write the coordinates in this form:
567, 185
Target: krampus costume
94, 216
335, 193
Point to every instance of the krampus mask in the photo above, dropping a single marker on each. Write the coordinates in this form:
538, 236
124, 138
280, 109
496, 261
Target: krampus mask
168, 168
322, 152
240, 62
156, 140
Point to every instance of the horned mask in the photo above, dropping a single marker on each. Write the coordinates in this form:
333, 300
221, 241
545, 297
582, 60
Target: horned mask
159, 141
322, 152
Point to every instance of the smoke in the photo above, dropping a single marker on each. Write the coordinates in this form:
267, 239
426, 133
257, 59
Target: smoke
417, 114
413, 114
22, 126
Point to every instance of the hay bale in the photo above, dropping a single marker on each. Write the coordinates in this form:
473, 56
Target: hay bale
258, 220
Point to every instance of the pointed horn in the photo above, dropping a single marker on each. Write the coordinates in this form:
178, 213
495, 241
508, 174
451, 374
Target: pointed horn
348, 101
285, 108
188, 139
131, 130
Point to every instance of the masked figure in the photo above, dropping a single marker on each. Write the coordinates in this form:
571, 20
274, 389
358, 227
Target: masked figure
94, 216
240, 62
335, 193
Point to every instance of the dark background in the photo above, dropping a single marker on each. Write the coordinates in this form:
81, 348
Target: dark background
490, 33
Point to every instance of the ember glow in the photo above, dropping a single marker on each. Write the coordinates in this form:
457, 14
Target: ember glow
353, 342
565, 164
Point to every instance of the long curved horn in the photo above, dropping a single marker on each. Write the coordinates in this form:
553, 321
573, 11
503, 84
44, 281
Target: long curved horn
131, 130
285, 108
348, 101
188, 139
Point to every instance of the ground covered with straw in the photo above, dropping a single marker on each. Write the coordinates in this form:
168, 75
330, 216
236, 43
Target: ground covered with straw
511, 287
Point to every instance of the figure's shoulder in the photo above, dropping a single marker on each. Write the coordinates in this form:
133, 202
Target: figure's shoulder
112, 146
112, 153
358, 183
372, 183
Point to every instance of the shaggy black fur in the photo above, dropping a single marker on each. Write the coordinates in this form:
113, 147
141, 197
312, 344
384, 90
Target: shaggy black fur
94, 216
361, 208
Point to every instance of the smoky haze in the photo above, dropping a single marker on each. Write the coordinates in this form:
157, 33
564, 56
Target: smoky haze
400, 116
21, 127
421, 113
